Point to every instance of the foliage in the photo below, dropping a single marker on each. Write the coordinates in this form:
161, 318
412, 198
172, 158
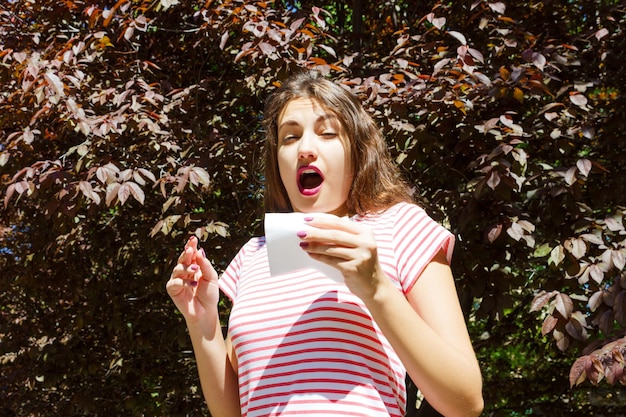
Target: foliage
127, 126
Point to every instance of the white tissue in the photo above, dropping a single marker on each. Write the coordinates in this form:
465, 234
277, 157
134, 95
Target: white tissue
283, 245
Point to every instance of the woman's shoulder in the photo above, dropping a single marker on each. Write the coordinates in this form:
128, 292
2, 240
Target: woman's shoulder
254, 244
396, 211
246, 253
394, 218
250, 248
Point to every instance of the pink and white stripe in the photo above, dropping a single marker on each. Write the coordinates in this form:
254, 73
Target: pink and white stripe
306, 345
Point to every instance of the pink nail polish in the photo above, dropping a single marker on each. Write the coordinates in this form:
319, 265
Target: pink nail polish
301, 233
308, 219
304, 245
193, 283
194, 267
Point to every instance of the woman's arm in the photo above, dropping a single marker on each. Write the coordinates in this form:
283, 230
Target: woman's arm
426, 328
217, 375
193, 288
428, 332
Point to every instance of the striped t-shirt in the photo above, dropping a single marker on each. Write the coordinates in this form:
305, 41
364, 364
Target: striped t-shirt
306, 345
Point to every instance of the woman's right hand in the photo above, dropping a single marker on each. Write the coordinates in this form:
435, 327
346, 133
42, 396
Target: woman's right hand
193, 285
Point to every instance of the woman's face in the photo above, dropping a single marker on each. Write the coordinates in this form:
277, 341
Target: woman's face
312, 159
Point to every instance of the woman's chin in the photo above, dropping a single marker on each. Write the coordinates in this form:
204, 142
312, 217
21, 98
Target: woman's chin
339, 211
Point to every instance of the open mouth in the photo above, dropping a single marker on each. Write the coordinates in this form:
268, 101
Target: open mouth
310, 180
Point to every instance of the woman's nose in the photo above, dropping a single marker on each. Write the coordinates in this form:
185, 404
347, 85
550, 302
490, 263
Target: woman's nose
307, 148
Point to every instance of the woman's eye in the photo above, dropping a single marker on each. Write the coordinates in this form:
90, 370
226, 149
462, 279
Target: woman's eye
329, 134
289, 138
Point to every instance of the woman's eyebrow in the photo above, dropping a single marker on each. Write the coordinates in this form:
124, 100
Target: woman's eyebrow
288, 123
326, 117
320, 119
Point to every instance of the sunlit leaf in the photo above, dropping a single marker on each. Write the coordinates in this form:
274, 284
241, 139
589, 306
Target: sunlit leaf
596, 273
498, 7
156, 229
88, 191
595, 300
458, 36
584, 166
55, 83
111, 193
8, 194
198, 175
601, 33
494, 179
577, 373
4, 158
526, 225
224, 39
328, 49
617, 258
570, 176
563, 304
541, 300
476, 54
296, 24
138, 178
136, 191
494, 232
542, 250
318, 61
574, 329
576, 247
123, 192
557, 255
530, 240
578, 99
125, 175
266, 48
548, 325
147, 174
440, 64
437, 22
219, 228
539, 60
592, 238
614, 224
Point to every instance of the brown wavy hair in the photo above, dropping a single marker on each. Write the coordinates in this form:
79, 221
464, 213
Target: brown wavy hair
377, 182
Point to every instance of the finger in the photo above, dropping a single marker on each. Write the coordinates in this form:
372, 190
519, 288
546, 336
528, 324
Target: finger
192, 243
186, 256
207, 271
334, 252
347, 266
186, 267
175, 285
327, 221
186, 272
189, 252
343, 265
330, 237
185, 259
179, 271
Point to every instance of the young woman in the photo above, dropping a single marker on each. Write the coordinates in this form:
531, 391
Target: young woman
303, 343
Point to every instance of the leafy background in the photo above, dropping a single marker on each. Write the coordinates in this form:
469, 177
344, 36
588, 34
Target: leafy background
127, 126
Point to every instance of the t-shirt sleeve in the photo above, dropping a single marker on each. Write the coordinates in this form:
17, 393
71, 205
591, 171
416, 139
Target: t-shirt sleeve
417, 239
229, 280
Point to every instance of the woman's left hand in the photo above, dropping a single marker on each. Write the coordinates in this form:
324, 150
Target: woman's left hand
348, 246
